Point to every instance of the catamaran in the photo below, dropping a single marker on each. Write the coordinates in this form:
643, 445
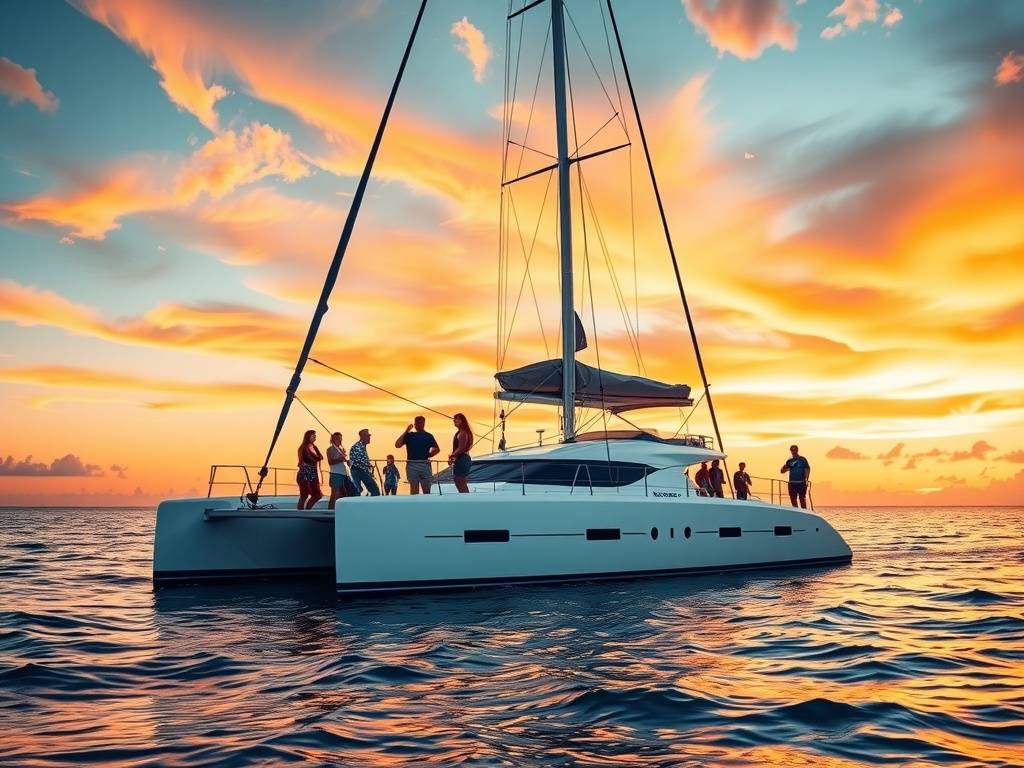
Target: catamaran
604, 504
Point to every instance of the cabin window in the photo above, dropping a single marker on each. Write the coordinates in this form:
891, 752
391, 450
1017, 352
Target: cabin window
654, 533
783, 530
730, 532
581, 474
687, 531
603, 534
480, 537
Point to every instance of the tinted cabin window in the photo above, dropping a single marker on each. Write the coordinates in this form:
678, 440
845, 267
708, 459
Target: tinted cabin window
478, 537
730, 533
603, 534
783, 530
584, 474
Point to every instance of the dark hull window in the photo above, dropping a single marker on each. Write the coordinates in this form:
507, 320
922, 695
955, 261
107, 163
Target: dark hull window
783, 530
581, 474
478, 537
603, 534
730, 533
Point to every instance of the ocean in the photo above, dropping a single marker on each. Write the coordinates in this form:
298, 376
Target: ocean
911, 656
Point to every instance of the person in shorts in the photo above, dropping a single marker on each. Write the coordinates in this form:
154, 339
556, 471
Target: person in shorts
799, 470
340, 481
420, 447
391, 477
741, 482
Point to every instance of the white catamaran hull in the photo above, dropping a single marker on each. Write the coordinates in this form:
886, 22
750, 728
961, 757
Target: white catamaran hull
212, 540
438, 542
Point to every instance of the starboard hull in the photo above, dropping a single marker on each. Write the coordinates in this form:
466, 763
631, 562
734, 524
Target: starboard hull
447, 542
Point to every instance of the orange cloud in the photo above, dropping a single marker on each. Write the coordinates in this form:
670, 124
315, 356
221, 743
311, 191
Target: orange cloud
146, 183
892, 17
744, 28
853, 13
472, 44
185, 40
1011, 69
841, 452
174, 56
20, 84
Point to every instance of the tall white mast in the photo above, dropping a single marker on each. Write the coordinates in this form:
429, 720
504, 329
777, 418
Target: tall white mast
565, 227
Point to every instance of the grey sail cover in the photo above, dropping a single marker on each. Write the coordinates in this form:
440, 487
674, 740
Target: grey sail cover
621, 392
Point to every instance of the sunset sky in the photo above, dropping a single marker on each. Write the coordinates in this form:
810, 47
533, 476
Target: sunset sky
844, 184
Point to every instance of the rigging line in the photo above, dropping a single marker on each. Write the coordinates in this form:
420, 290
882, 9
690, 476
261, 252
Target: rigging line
533, 103
593, 66
339, 254
527, 257
387, 391
611, 65
668, 236
586, 260
519, 404
619, 295
315, 417
690, 415
594, 134
511, 104
632, 188
636, 282
538, 151
504, 96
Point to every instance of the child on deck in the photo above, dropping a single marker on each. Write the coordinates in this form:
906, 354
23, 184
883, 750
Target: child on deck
391, 477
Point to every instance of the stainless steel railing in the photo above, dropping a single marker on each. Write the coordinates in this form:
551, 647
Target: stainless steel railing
518, 480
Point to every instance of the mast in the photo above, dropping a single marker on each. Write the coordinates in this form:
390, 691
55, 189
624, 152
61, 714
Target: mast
565, 227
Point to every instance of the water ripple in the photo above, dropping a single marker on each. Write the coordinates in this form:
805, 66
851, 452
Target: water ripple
914, 655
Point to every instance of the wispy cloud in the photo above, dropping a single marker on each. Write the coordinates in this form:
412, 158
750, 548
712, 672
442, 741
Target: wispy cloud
150, 183
1010, 69
471, 43
20, 84
841, 452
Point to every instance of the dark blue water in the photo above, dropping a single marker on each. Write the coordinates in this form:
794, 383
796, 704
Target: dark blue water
914, 655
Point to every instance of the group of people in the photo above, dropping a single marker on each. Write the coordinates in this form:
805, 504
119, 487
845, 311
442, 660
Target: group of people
351, 471
710, 481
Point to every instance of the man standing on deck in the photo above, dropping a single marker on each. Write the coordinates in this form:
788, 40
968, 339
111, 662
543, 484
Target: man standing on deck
420, 447
717, 479
362, 471
741, 482
799, 475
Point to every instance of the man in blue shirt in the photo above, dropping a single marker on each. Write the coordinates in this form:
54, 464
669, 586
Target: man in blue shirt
420, 447
799, 475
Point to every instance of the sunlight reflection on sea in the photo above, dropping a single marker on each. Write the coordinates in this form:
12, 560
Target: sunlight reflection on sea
913, 655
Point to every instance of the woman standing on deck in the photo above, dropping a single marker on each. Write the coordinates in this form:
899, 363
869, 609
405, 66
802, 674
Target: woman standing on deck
308, 476
460, 458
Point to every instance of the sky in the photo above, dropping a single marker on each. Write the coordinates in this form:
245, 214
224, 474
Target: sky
844, 184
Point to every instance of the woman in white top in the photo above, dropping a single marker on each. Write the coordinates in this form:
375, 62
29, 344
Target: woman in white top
337, 457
